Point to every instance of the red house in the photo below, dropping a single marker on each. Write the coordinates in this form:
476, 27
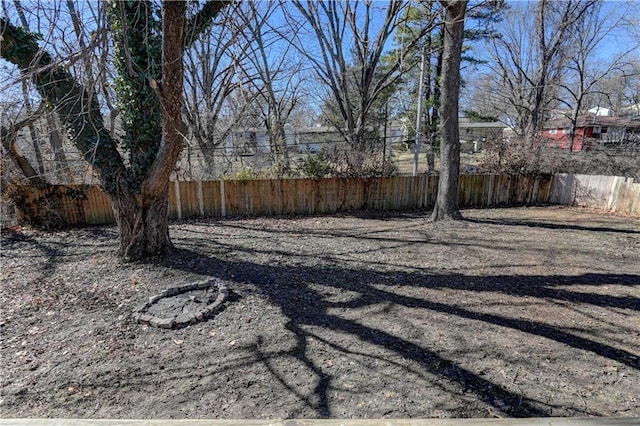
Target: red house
588, 128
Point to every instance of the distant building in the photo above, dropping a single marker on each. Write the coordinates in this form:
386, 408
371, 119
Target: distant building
303, 140
477, 133
603, 128
630, 111
601, 112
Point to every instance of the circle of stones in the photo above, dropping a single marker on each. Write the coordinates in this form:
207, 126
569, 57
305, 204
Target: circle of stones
143, 317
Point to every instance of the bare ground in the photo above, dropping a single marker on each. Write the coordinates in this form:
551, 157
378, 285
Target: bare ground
513, 312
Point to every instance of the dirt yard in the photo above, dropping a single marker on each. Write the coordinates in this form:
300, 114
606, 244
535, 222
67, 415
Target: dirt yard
512, 312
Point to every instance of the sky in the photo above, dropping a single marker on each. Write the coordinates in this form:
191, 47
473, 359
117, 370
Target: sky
622, 38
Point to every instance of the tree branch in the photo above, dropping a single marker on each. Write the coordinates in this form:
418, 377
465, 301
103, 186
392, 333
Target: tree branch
78, 110
7, 139
202, 20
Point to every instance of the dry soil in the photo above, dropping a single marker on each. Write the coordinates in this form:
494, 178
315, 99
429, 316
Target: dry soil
511, 312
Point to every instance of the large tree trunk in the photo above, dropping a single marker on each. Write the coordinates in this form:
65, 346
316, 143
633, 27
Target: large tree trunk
142, 224
447, 200
143, 221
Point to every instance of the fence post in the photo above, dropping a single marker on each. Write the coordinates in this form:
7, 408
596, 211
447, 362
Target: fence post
200, 197
176, 185
222, 199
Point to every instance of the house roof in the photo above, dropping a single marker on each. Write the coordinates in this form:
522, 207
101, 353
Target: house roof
592, 120
481, 125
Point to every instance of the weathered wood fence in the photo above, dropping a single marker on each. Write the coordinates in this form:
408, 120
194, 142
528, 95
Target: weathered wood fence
76, 205
612, 193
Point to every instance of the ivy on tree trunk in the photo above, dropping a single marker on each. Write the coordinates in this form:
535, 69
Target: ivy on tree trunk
150, 87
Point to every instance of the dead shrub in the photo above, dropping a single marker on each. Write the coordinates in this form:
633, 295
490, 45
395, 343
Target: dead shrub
517, 156
348, 162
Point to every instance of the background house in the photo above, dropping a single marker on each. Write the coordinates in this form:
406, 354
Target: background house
590, 128
473, 134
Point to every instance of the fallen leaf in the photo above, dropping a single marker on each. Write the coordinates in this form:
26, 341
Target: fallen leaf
178, 341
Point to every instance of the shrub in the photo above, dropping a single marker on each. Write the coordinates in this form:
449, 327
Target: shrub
314, 166
516, 156
243, 175
346, 162
512, 156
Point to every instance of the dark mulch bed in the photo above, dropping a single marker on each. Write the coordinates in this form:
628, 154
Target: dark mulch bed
513, 312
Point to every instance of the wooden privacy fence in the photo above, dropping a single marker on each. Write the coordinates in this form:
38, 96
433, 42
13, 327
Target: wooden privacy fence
612, 193
76, 205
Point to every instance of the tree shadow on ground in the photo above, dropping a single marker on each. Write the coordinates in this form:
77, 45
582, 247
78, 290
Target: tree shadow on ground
291, 289
550, 225
36, 249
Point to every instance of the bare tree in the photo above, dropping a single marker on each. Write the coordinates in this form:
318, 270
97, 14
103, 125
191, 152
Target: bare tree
583, 71
528, 59
35, 139
11, 151
274, 73
619, 90
211, 76
446, 207
348, 56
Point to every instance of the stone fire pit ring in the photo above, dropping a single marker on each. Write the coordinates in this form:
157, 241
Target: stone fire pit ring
184, 304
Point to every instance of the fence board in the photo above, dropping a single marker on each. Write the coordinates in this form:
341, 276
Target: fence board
97, 207
173, 210
211, 204
189, 199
